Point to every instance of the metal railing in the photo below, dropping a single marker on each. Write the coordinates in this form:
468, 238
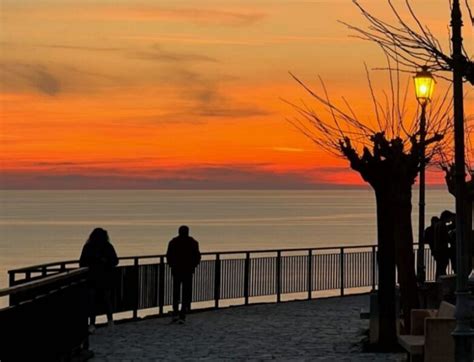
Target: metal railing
47, 319
143, 282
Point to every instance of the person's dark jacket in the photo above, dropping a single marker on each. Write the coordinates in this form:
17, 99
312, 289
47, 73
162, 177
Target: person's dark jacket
441, 241
183, 255
100, 258
429, 237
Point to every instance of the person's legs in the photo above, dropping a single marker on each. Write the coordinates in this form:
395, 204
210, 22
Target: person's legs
452, 257
187, 294
176, 294
92, 307
107, 294
441, 265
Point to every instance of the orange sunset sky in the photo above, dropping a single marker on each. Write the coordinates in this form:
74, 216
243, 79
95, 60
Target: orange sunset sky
181, 93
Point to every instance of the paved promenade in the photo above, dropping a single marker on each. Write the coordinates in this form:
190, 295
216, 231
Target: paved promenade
318, 330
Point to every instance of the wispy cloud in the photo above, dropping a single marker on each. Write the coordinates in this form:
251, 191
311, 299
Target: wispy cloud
254, 42
63, 175
53, 78
190, 15
196, 177
35, 75
288, 149
80, 48
157, 53
193, 39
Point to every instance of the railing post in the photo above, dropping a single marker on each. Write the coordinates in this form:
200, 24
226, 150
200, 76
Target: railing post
374, 261
161, 285
137, 290
43, 271
310, 273
246, 277
341, 262
27, 275
11, 277
217, 281
278, 276
62, 267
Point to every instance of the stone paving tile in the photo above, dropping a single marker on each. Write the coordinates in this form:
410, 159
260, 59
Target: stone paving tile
318, 330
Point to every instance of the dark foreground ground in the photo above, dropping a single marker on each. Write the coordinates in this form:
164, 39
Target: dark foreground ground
318, 330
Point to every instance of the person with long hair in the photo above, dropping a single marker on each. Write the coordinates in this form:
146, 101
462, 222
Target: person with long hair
98, 254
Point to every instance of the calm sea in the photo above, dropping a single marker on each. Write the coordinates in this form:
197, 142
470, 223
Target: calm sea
43, 226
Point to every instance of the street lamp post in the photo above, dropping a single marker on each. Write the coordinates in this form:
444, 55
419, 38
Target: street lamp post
463, 332
424, 87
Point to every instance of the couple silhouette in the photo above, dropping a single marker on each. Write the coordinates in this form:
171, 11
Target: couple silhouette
98, 254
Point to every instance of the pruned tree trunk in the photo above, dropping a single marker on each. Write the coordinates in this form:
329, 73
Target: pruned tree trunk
395, 242
386, 266
405, 257
390, 164
391, 172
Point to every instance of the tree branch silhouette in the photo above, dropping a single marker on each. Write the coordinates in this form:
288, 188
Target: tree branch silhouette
386, 153
411, 46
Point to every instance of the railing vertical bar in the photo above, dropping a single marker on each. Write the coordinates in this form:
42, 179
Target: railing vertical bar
11, 278
137, 288
342, 270
278, 276
246, 277
161, 285
217, 280
156, 279
374, 260
326, 279
331, 270
314, 267
320, 277
228, 278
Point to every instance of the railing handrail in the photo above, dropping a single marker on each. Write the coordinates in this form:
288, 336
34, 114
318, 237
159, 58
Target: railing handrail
222, 252
226, 275
41, 282
40, 266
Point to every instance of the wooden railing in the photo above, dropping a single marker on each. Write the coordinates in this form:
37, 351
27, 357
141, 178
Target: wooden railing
143, 282
46, 319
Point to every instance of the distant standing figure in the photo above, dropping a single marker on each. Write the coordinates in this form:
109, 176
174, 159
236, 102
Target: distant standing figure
449, 219
429, 235
441, 246
99, 255
183, 257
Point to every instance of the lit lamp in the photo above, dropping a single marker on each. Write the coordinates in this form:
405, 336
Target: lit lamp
424, 87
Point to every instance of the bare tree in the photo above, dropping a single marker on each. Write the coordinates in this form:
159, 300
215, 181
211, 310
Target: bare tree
386, 153
409, 42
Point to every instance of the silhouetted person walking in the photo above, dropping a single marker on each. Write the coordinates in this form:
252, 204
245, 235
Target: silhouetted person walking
99, 255
183, 257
